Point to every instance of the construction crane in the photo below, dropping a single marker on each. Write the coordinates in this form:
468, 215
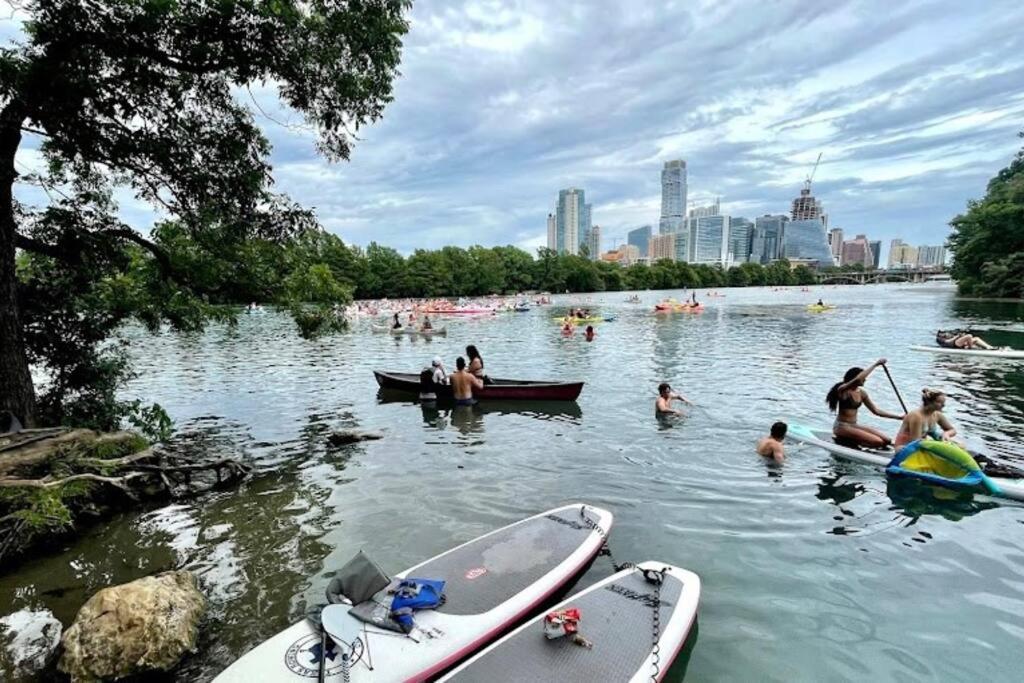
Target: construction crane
807, 183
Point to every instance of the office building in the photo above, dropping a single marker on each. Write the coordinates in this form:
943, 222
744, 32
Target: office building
857, 251
766, 245
708, 239
741, 235
673, 197
594, 242
805, 239
931, 257
640, 238
835, 243
569, 216
585, 226
709, 210
662, 247
552, 233
806, 207
876, 253
901, 255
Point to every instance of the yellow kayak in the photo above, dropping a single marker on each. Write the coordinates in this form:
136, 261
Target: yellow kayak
815, 308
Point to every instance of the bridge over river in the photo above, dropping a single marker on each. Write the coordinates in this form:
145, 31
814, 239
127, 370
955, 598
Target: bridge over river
875, 276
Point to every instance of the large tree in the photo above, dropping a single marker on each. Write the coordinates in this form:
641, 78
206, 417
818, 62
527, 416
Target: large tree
153, 95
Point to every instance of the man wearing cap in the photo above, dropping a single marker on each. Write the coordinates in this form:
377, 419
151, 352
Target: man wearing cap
440, 376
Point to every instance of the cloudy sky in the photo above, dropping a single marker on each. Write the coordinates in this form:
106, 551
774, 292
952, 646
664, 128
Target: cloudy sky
913, 105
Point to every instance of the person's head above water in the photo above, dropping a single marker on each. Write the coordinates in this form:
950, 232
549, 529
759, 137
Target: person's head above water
933, 399
664, 389
779, 430
460, 363
833, 394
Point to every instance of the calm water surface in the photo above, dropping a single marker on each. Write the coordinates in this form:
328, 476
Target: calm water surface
817, 570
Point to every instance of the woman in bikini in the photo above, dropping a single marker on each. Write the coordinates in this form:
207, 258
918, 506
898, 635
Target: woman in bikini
845, 399
927, 420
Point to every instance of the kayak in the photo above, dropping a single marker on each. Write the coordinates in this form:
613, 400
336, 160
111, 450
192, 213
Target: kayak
822, 438
616, 615
591, 319
678, 308
993, 353
497, 388
815, 308
491, 583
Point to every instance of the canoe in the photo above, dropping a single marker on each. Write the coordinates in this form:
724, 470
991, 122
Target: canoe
509, 389
815, 308
411, 331
491, 583
822, 438
616, 616
678, 308
586, 321
1009, 354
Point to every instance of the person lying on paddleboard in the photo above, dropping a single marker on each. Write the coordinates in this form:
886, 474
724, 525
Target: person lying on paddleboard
663, 404
463, 382
845, 399
958, 339
771, 446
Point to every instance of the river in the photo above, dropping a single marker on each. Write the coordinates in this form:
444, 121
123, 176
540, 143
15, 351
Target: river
817, 570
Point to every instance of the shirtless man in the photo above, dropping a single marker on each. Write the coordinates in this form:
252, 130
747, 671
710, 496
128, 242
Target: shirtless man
771, 446
463, 383
663, 406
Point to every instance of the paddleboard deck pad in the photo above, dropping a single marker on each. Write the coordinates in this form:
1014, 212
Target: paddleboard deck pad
616, 616
490, 583
822, 438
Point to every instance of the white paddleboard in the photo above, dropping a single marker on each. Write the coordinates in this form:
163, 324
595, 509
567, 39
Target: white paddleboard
822, 438
994, 353
616, 616
491, 583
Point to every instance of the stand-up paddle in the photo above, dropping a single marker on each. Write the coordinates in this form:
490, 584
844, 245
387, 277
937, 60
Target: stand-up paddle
889, 375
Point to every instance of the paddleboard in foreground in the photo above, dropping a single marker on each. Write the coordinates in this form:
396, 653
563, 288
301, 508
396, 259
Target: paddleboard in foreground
989, 353
616, 616
822, 438
490, 583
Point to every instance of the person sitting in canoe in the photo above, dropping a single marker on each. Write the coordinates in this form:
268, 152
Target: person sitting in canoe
463, 382
476, 364
439, 375
397, 324
771, 446
958, 339
427, 325
590, 333
845, 399
663, 404
820, 303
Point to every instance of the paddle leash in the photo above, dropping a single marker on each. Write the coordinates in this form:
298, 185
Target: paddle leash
889, 375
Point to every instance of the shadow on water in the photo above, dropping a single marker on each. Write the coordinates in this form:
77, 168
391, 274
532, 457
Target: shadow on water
916, 499
542, 410
677, 671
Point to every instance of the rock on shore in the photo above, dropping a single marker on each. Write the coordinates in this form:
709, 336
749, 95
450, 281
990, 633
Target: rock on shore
145, 625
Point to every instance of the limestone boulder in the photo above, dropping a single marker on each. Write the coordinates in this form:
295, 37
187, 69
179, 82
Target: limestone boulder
145, 625
28, 642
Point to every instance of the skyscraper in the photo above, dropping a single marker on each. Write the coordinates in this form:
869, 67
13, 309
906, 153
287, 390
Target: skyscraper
662, 247
876, 252
709, 210
901, 255
594, 242
640, 238
835, 242
552, 233
858, 250
569, 217
806, 207
766, 245
673, 196
709, 239
741, 235
805, 239
931, 257
585, 225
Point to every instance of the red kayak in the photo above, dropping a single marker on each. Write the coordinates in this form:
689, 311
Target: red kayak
507, 389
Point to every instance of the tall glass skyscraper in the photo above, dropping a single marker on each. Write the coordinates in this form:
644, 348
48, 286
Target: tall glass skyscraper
673, 197
741, 233
569, 216
806, 239
767, 241
708, 238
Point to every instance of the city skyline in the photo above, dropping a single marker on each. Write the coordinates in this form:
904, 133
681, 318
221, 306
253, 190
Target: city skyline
914, 108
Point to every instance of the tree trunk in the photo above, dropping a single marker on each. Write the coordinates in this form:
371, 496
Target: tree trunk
16, 391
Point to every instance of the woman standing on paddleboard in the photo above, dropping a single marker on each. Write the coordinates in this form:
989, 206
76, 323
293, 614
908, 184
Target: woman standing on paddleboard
845, 399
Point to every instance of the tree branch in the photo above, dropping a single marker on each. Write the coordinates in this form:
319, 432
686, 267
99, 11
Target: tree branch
41, 248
